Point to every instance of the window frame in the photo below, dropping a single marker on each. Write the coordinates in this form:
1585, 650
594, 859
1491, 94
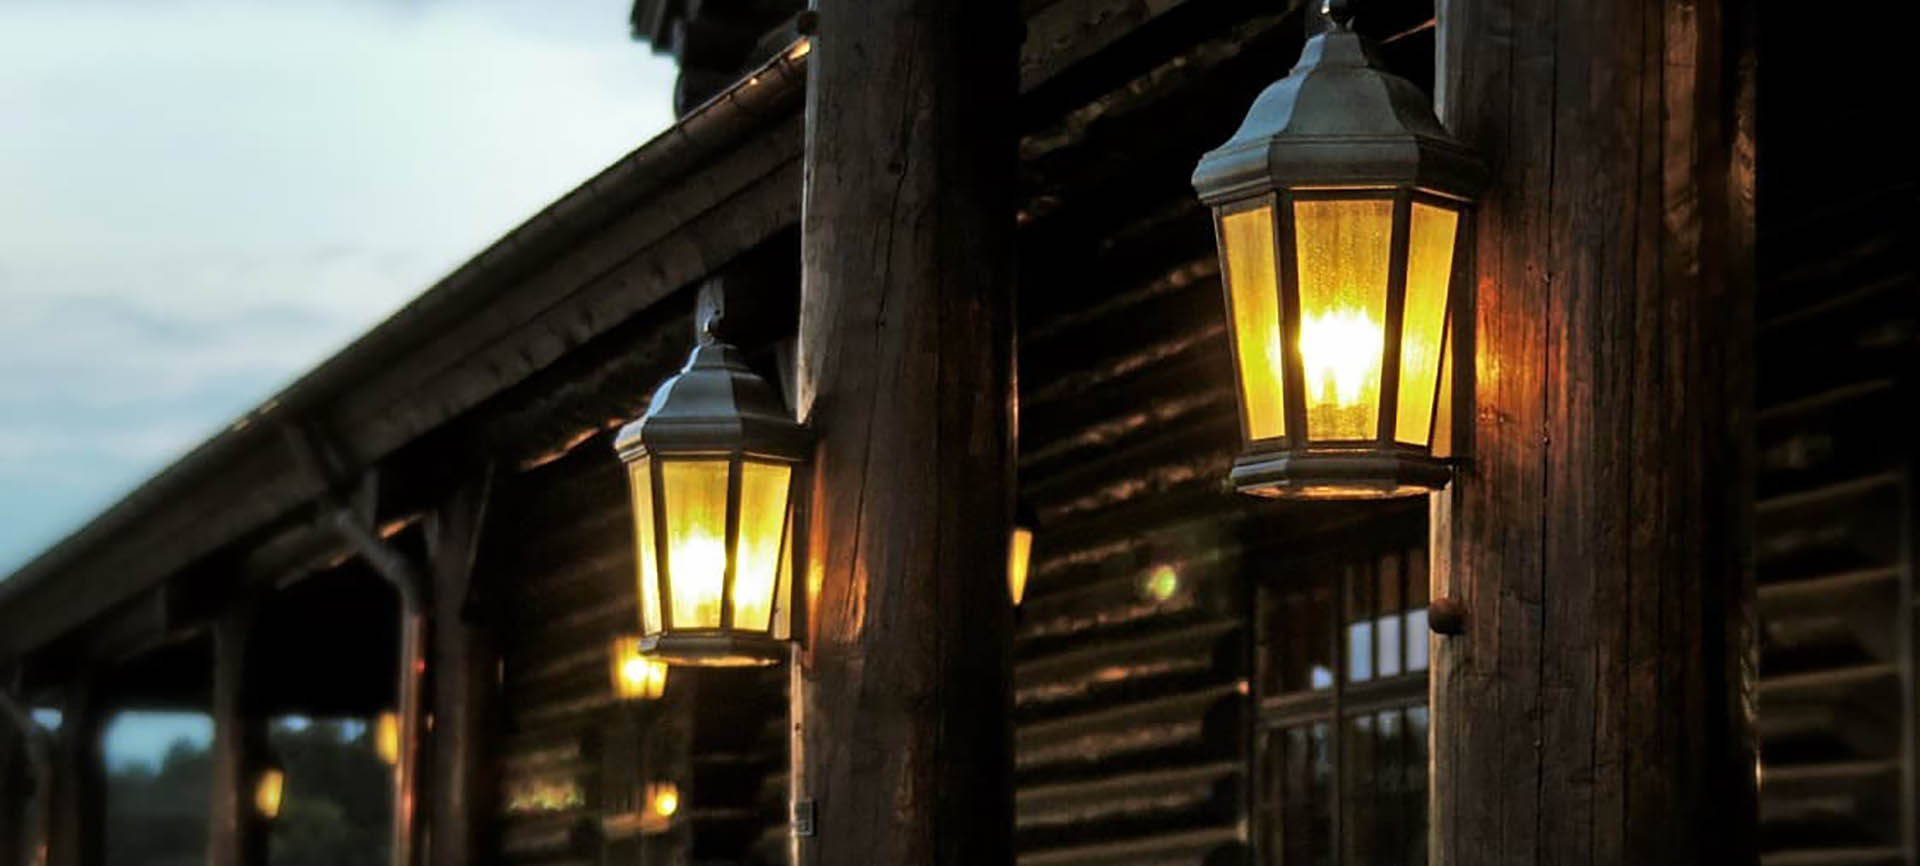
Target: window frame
1328, 576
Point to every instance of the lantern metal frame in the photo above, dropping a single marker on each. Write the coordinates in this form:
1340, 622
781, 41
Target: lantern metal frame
717, 408
1339, 127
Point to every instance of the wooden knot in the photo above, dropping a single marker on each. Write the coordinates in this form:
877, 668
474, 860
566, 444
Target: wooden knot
1447, 616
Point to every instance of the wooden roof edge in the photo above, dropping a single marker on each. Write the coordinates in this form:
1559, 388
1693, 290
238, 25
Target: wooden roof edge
677, 154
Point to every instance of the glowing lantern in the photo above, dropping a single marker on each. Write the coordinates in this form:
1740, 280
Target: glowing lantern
1340, 205
1019, 556
386, 737
661, 802
712, 469
636, 675
269, 787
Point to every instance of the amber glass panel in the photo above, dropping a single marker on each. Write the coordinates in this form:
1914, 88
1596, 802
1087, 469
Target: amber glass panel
695, 494
1254, 288
1430, 240
640, 484
756, 556
1344, 251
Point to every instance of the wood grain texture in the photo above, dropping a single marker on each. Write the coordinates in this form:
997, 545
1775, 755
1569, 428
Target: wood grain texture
1600, 707
904, 369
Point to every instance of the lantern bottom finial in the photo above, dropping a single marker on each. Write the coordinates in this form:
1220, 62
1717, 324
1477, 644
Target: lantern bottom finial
1339, 475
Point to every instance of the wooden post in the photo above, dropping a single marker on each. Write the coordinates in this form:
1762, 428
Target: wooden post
1599, 707
14, 792
465, 668
903, 731
77, 832
236, 835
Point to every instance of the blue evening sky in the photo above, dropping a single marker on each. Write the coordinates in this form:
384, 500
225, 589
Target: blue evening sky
199, 199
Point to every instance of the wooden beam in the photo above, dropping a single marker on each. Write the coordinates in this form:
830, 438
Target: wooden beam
466, 690
905, 355
1599, 707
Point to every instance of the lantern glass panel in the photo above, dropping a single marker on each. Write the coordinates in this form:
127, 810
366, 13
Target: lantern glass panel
1430, 239
1254, 294
695, 493
640, 484
1344, 248
782, 626
756, 555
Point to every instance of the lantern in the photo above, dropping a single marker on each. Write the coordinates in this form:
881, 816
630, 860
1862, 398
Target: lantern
712, 467
662, 802
1019, 554
386, 737
1340, 206
269, 788
636, 675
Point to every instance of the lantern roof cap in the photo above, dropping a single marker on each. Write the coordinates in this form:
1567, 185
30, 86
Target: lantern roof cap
1339, 119
715, 404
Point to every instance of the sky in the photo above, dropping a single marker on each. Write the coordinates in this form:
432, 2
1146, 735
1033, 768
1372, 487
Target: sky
200, 199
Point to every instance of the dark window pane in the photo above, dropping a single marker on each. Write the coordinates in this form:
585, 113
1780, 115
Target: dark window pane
1390, 603
1298, 637
1416, 640
1359, 617
1416, 766
1359, 816
1298, 797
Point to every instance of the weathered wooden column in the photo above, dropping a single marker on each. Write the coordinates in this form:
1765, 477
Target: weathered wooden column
77, 831
903, 369
465, 664
236, 835
1599, 707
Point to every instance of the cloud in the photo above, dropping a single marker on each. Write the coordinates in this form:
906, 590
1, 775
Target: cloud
205, 197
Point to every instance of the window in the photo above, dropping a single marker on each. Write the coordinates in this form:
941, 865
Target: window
1341, 741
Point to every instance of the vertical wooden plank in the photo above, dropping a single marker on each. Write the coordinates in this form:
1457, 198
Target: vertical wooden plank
465, 665
904, 368
1599, 707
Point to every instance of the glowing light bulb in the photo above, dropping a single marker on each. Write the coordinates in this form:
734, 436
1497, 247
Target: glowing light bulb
699, 577
663, 799
1341, 352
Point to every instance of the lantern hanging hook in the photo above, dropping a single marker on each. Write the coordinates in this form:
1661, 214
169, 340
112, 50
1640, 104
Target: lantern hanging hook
1339, 11
707, 326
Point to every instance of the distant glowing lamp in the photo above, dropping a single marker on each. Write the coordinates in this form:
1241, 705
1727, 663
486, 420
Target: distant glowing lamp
1019, 556
662, 802
386, 737
1340, 206
269, 789
636, 675
711, 469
